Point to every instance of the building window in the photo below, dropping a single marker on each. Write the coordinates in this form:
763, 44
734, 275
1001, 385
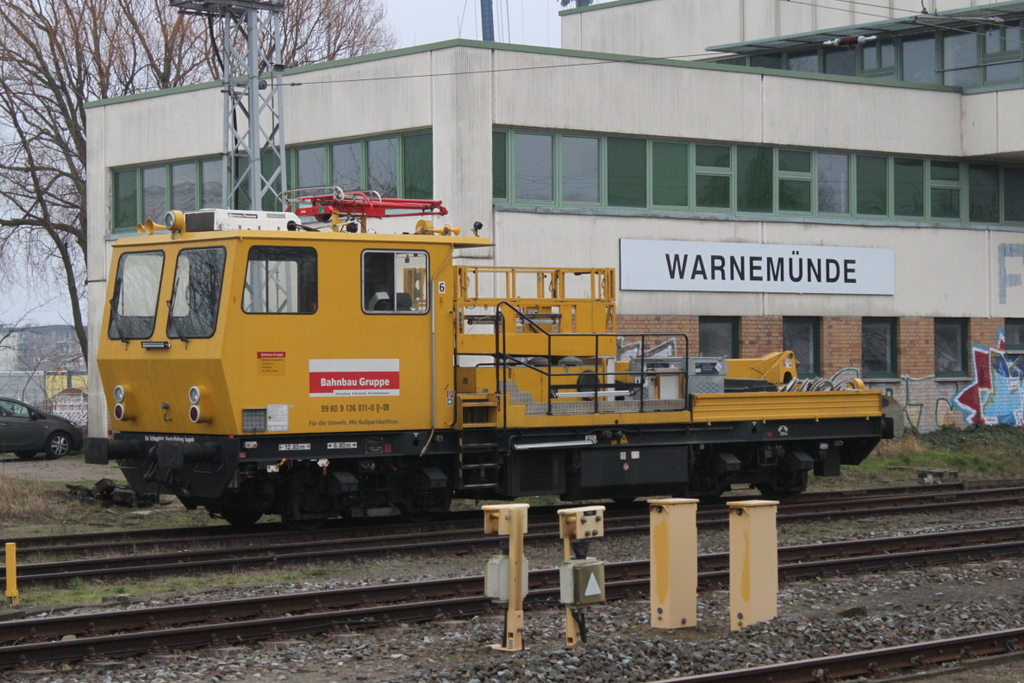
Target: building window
581, 170
147, 193
1001, 53
754, 170
627, 172
833, 183
878, 347
671, 172
1014, 331
983, 193
908, 187
945, 189
713, 177
795, 180
872, 185
719, 337
919, 59
534, 167
1013, 193
394, 166
950, 347
960, 52
801, 336
499, 164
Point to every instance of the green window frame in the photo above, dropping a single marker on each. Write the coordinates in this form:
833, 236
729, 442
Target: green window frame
399, 165
1013, 195
712, 179
802, 336
879, 348
950, 347
670, 174
908, 187
945, 190
871, 186
148, 192
983, 193
878, 59
794, 180
1001, 53
627, 172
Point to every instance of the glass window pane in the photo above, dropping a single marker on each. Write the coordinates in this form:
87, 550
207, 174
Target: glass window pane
800, 335
949, 347
183, 187
833, 183
733, 61
269, 164
382, 166
945, 170
767, 61
395, 282
280, 280
795, 161
877, 347
961, 51
841, 62
754, 178
1014, 202
136, 293
311, 167
627, 172
919, 60
872, 185
718, 337
154, 193
499, 165
195, 299
1000, 73
715, 156
418, 166
581, 162
983, 193
347, 166
794, 195
1014, 331
713, 191
908, 187
213, 184
804, 61
534, 166
670, 171
945, 202
126, 199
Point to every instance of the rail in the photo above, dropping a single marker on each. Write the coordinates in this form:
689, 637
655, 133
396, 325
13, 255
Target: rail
600, 389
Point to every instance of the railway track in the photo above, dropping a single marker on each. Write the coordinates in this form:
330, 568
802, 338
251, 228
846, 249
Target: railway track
134, 631
465, 536
83, 545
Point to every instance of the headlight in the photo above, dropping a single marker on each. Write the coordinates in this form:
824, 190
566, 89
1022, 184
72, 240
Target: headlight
119, 394
194, 394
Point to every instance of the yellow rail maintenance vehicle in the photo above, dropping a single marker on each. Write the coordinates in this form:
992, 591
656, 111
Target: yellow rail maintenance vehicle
258, 364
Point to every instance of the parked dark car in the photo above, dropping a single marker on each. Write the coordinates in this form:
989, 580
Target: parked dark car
26, 431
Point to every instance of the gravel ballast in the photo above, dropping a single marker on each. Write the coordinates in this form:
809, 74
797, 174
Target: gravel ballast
816, 618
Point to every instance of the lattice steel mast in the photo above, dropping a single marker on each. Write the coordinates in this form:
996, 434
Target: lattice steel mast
253, 106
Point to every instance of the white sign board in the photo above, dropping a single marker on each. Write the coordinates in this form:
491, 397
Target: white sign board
668, 265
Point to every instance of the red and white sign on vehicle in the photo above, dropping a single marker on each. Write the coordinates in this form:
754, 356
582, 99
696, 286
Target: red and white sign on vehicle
353, 377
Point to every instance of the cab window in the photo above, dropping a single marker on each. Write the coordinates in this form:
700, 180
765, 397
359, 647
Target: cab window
136, 290
281, 280
195, 300
12, 409
395, 282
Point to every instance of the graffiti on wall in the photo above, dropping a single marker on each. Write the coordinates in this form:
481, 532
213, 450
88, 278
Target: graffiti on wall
994, 397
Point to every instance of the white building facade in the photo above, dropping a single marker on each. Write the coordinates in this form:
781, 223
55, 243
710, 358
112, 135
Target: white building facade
861, 214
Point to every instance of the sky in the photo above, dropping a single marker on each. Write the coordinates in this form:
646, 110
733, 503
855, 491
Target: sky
524, 22
416, 22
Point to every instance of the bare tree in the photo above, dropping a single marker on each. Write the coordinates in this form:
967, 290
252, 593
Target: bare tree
57, 55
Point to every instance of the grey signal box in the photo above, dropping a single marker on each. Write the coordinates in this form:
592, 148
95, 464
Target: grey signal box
582, 582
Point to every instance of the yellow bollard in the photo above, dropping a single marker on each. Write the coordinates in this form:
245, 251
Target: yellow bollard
510, 520
753, 563
673, 562
12, 574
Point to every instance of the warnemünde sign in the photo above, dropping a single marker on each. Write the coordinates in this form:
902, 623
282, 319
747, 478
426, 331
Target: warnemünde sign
664, 265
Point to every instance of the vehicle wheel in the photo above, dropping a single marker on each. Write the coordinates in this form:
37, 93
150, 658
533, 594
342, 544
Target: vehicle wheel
58, 445
25, 455
241, 519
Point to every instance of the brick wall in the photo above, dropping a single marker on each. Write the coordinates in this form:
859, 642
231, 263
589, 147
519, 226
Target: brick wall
660, 329
840, 344
915, 343
760, 335
983, 331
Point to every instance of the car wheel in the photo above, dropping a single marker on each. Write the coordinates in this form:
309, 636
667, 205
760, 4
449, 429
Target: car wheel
25, 455
58, 445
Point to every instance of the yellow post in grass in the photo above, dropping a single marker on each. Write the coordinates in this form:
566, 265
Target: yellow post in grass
673, 562
753, 563
12, 574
